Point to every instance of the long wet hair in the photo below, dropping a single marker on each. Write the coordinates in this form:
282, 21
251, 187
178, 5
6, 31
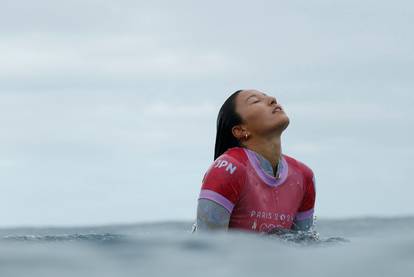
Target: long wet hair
227, 118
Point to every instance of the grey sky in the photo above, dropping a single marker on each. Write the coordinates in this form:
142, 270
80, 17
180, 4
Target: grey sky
108, 108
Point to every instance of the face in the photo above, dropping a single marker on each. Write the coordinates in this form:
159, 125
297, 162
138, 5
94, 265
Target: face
261, 113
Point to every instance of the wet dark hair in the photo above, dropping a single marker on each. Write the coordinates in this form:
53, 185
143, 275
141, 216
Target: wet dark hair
226, 119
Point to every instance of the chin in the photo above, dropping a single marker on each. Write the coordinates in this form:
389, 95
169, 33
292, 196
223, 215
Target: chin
279, 125
282, 123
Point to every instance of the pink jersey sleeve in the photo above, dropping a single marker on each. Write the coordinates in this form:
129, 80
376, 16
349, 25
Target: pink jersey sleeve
306, 208
222, 182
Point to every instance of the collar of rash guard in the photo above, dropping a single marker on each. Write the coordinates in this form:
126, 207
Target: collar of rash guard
264, 168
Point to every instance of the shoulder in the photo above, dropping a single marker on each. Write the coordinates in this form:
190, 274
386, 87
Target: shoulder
300, 166
236, 153
235, 156
224, 180
230, 164
309, 181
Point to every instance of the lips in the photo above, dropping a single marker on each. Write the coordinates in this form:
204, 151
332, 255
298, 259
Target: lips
277, 109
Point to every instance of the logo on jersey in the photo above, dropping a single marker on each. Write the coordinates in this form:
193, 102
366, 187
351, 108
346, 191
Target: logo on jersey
273, 216
225, 164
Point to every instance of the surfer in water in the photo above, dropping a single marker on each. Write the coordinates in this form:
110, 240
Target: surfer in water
252, 185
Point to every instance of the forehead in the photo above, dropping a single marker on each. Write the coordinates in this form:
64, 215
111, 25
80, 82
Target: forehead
245, 94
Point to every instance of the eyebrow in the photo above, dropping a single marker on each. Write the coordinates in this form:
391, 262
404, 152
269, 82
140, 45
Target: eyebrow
254, 95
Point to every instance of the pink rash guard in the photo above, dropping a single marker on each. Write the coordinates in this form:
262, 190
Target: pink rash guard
256, 200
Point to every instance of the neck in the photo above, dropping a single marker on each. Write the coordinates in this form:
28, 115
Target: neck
269, 148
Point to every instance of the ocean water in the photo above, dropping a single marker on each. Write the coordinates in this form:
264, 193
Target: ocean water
351, 247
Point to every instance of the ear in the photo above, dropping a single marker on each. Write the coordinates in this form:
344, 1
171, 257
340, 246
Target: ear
238, 132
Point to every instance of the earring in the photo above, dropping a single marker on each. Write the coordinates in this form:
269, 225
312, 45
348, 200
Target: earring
246, 136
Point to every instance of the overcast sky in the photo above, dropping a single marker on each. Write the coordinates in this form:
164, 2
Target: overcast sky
108, 108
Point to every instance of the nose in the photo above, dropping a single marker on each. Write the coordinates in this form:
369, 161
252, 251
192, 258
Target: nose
272, 100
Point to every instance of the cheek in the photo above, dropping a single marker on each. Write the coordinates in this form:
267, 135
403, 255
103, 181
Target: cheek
257, 117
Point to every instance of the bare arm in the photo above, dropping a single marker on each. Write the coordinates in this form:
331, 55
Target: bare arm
211, 216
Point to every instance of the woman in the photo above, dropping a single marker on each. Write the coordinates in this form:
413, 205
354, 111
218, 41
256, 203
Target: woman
251, 185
